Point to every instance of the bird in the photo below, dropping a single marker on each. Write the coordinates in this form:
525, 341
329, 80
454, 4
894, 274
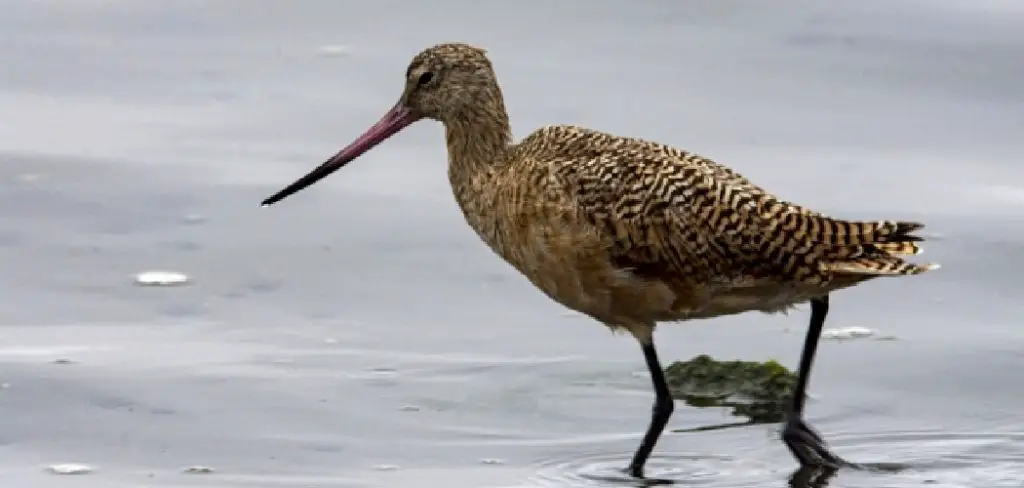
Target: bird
634, 233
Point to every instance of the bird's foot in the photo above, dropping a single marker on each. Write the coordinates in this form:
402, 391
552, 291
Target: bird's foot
808, 447
811, 477
636, 473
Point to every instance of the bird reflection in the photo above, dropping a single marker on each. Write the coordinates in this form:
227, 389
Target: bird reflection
804, 477
812, 477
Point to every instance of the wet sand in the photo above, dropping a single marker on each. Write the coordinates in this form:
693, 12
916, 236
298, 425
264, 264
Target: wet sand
359, 335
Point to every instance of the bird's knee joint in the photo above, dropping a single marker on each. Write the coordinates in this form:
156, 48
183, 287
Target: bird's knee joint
664, 406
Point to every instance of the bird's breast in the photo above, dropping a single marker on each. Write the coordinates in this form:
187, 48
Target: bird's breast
557, 252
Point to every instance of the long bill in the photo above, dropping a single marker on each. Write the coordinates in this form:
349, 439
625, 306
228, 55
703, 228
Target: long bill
396, 119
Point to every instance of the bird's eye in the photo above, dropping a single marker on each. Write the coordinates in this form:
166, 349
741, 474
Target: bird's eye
425, 78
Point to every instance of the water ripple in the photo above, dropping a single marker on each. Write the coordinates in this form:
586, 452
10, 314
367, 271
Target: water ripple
688, 469
894, 459
939, 458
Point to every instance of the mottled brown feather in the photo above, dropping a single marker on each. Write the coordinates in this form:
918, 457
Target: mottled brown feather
633, 232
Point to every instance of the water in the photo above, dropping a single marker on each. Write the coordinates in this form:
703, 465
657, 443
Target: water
358, 335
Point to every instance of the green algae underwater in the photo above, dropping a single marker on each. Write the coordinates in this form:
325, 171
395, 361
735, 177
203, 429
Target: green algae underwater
757, 391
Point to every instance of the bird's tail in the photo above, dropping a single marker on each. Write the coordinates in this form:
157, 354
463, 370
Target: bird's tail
871, 248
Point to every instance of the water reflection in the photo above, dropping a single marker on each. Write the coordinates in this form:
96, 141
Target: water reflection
665, 468
903, 459
812, 477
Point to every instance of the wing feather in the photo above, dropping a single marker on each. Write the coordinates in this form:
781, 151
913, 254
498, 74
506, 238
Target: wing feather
672, 214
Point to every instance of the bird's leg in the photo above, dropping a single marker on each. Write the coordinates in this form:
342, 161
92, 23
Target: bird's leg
802, 440
662, 410
812, 477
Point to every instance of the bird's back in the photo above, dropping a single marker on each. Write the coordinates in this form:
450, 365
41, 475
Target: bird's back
672, 214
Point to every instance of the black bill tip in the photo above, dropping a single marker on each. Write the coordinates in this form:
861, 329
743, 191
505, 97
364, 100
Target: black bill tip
393, 121
300, 184
270, 201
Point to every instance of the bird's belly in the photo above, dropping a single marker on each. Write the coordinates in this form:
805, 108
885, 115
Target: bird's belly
769, 297
584, 279
589, 283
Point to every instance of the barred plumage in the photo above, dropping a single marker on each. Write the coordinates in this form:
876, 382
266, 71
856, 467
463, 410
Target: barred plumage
632, 232
686, 215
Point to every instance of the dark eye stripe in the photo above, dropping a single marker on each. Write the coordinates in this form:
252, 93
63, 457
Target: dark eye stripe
425, 78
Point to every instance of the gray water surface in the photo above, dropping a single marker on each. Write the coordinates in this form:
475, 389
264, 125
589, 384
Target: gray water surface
359, 335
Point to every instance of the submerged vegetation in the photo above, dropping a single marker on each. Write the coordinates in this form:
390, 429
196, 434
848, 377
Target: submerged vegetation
758, 391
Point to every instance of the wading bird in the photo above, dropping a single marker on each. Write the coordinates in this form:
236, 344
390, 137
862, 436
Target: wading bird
632, 232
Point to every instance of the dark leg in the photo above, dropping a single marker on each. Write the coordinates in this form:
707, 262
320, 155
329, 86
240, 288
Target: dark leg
802, 440
812, 477
663, 406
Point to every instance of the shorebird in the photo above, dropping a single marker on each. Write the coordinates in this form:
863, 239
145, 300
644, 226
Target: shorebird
632, 232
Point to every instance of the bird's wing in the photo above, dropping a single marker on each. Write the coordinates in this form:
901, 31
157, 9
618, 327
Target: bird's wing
648, 216
669, 212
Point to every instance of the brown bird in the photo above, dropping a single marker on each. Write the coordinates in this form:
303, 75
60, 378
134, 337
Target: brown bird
633, 232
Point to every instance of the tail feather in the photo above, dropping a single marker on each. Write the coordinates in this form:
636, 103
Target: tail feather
847, 233
873, 249
878, 266
839, 232
845, 249
903, 248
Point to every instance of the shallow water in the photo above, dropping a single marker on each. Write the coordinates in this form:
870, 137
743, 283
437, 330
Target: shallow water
358, 335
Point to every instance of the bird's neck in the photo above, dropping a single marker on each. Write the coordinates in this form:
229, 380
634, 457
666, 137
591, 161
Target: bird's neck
478, 139
478, 145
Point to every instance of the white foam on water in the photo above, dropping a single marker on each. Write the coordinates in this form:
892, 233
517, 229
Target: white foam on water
847, 333
161, 278
70, 468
